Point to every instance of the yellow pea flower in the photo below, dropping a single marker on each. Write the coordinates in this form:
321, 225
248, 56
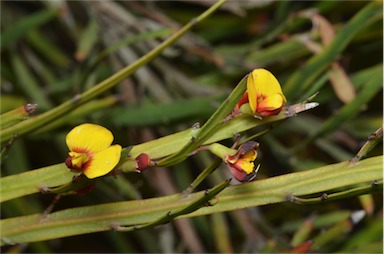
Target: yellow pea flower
241, 164
264, 93
91, 151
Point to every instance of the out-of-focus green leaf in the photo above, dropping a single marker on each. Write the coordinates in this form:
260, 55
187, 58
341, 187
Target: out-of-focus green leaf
348, 111
48, 49
87, 41
29, 84
303, 77
11, 35
158, 114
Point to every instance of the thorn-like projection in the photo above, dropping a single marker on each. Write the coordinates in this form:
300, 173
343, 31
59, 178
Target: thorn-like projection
374, 184
196, 126
44, 189
30, 108
290, 197
324, 197
115, 227
76, 98
300, 107
193, 21
309, 99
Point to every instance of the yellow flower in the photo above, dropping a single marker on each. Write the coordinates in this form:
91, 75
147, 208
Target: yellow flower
241, 164
91, 151
264, 93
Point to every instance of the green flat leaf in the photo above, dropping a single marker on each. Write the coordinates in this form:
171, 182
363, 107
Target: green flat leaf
10, 36
303, 77
88, 219
34, 181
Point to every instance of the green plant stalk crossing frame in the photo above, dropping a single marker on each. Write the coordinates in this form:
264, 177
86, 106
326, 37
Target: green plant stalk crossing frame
51, 176
319, 62
38, 121
82, 220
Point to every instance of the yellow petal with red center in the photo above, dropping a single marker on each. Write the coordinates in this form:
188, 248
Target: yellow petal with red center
262, 83
246, 162
103, 162
90, 138
271, 103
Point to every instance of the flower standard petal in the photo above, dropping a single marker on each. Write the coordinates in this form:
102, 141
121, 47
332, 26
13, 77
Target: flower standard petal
103, 162
89, 137
252, 92
262, 84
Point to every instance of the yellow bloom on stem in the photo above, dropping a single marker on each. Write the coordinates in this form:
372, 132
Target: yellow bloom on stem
241, 164
91, 151
264, 93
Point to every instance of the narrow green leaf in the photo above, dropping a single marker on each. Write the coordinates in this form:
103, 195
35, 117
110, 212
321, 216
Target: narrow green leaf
10, 36
348, 111
35, 123
47, 48
304, 76
155, 114
87, 41
29, 84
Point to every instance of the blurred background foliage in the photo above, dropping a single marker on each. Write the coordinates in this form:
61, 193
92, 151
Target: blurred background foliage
53, 50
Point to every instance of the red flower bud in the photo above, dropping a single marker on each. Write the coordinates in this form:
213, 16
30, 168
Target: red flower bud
143, 162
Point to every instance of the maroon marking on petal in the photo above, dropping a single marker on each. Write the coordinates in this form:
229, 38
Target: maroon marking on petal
80, 150
271, 112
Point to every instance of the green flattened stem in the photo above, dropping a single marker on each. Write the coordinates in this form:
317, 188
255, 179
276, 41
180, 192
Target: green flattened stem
103, 217
56, 175
17, 115
197, 203
34, 123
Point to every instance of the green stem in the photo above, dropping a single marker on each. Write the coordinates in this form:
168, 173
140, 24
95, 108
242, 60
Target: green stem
203, 200
59, 174
88, 219
373, 140
38, 121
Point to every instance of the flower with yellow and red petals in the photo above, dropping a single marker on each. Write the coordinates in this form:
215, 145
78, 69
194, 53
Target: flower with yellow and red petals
91, 151
242, 163
264, 93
